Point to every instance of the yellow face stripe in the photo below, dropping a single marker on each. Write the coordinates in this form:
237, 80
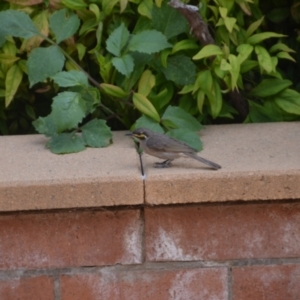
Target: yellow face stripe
140, 136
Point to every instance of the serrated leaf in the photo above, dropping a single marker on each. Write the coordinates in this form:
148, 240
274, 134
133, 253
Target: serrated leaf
207, 51
178, 118
71, 78
145, 106
269, 87
289, 101
146, 122
146, 83
168, 20
180, 69
90, 96
45, 125
64, 24
148, 41
43, 63
17, 23
96, 133
41, 23
117, 40
113, 90
66, 143
68, 110
124, 64
189, 137
259, 37
13, 79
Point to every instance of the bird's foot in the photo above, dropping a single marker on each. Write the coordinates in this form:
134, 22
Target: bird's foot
164, 164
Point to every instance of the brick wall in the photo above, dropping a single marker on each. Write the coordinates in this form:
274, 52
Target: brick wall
244, 251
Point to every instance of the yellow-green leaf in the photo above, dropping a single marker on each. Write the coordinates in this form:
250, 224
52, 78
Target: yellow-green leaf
145, 8
123, 5
264, 59
95, 9
12, 81
184, 45
8, 59
285, 55
229, 23
207, 51
253, 27
200, 100
145, 106
113, 90
146, 83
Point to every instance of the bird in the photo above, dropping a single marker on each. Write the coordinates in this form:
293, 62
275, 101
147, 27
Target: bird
167, 148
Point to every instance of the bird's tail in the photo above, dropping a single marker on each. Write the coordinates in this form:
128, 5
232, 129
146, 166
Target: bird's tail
203, 160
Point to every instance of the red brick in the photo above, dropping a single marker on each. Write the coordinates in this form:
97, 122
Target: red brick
191, 284
218, 232
70, 239
266, 283
40, 288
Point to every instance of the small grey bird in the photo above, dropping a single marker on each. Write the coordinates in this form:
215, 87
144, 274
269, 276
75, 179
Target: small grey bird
165, 147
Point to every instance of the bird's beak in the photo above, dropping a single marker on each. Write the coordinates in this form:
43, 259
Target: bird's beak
129, 134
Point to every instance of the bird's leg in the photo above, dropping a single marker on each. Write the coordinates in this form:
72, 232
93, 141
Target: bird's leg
164, 164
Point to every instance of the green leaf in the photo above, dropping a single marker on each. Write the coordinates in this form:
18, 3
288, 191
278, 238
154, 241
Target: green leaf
229, 23
234, 71
244, 51
18, 24
43, 63
90, 96
180, 69
289, 101
66, 143
148, 41
168, 20
45, 125
146, 83
108, 5
200, 100
285, 55
176, 117
64, 24
269, 87
145, 106
74, 4
184, 45
281, 47
145, 8
258, 113
247, 65
253, 27
264, 59
146, 122
117, 40
189, 137
96, 133
68, 110
71, 78
113, 90
259, 37
207, 51
204, 81
215, 99
124, 64
13, 79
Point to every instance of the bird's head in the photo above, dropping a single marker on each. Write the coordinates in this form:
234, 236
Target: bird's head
140, 134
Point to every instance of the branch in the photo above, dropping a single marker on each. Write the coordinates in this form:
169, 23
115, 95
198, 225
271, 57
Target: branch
200, 30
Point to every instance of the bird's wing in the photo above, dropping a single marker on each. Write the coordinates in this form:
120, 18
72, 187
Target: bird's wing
169, 145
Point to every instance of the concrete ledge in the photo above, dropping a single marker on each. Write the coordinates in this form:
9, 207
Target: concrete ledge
259, 162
